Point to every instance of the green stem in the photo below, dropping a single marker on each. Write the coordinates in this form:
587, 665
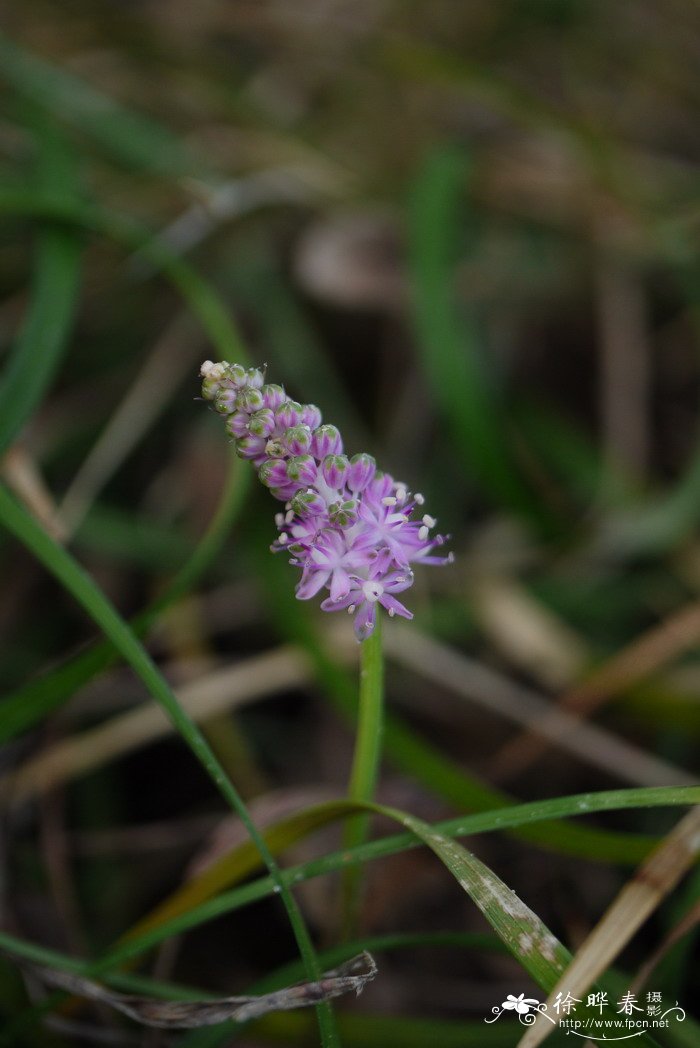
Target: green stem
365, 765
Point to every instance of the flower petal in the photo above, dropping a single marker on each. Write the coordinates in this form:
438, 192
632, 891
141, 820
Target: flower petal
394, 606
311, 582
365, 619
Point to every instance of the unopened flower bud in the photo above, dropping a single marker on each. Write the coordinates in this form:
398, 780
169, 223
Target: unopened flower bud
254, 378
343, 514
225, 400
297, 440
237, 374
326, 441
250, 447
273, 473
302, 468
361, 471
334, 469
262, 423
237, 425
273, 396
275, 449
212, 377
249, 400
311, 416
308, 503
288, 414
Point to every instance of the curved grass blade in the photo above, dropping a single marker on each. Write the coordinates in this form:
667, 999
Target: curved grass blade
130, 138
45, 332
57, 561
243, 860
195, 290
26, 706
412, 754
520, 929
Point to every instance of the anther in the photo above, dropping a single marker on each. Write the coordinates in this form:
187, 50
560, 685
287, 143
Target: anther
430, 522
283, 538
392, 612
351, 609
419, 499
389, 501
423, 533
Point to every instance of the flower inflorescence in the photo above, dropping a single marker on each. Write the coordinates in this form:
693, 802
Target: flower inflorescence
353, 530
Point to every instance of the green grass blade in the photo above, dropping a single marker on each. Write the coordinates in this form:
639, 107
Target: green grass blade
45, 332
26, 706
447, 341
129, 138
196, 291
407, 750
57, 561
198, 897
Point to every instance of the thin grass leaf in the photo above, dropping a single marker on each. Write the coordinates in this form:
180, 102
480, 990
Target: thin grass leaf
57, 561
407, 750
130, 138
243, 860
448, 343
26, 706
124, 230
53, 298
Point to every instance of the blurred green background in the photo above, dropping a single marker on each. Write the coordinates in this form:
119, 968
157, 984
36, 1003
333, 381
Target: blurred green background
469, 232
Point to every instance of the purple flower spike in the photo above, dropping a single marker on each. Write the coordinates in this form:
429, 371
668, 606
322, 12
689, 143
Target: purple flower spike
352, 530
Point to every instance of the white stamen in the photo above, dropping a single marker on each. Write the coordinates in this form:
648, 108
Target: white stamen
289, 517
279, 519
429, 522
283, 538
351, 609
423, 533
389, 501
401, 493
418, 498
392, 612
287, 505
372, 591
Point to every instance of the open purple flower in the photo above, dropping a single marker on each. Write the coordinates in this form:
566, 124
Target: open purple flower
353, 530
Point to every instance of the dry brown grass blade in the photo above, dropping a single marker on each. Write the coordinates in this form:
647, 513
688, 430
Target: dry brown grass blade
647, 654
215, 693
530, 636
171, 357
477, 683
19, 468
625, 368
655, 878
351, 976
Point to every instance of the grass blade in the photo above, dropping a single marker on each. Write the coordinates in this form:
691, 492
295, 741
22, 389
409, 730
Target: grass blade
45, 332
83, 589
